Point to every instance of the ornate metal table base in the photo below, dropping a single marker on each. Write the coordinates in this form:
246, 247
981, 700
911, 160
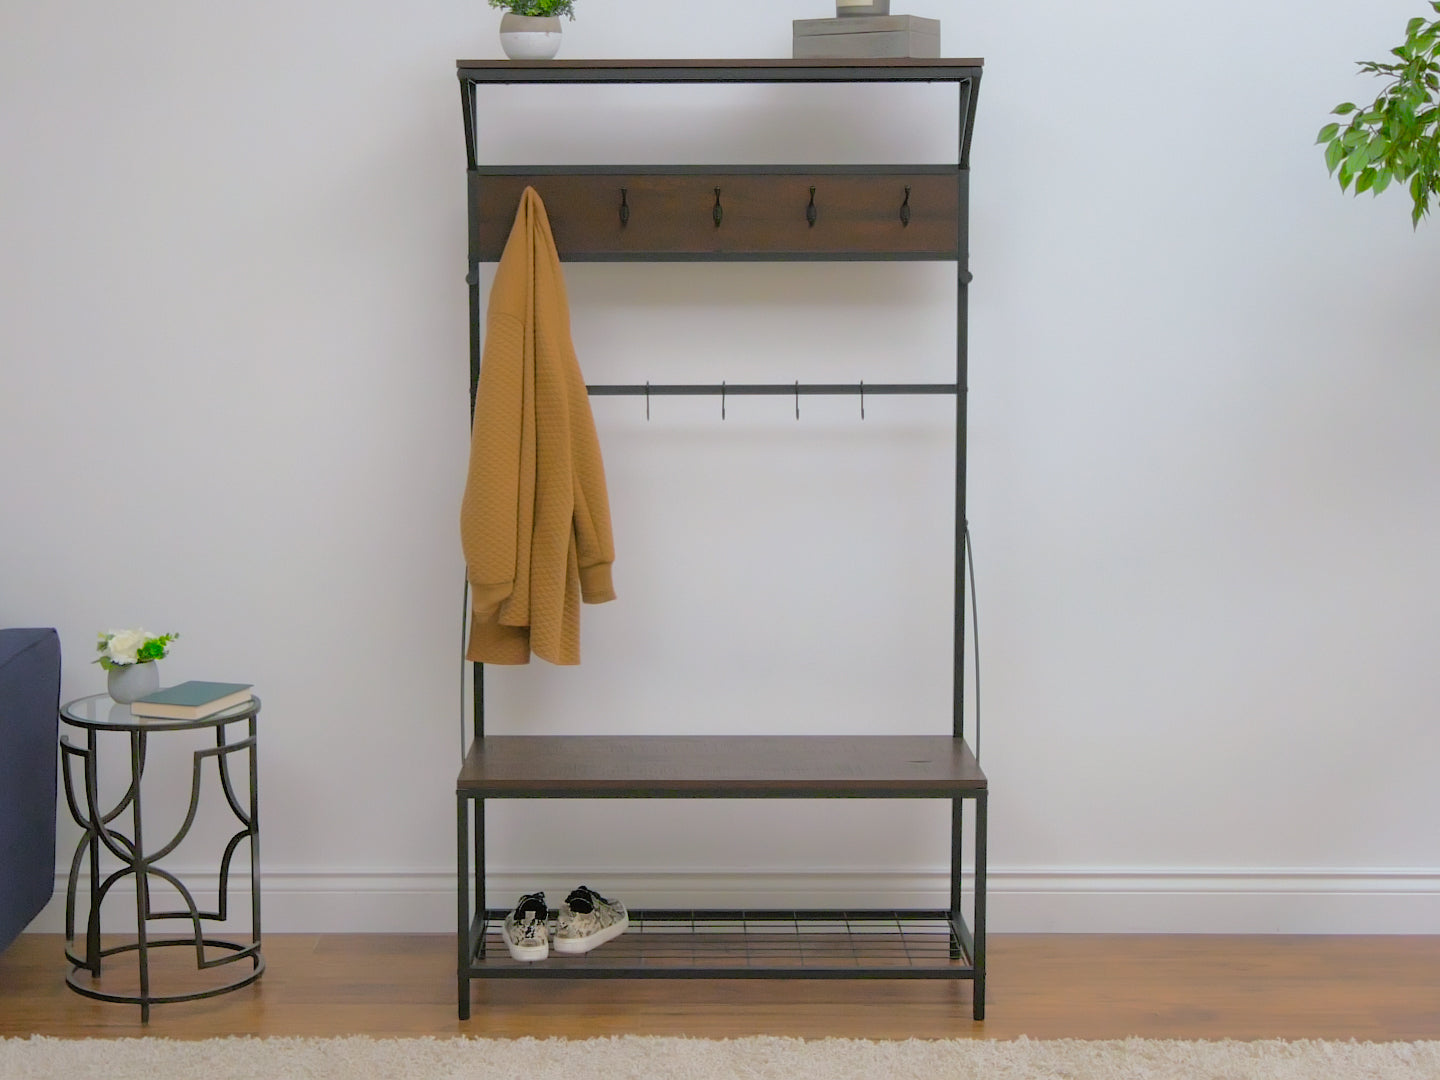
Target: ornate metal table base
96, 714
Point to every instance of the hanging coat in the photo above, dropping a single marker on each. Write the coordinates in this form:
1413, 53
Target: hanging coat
535, 519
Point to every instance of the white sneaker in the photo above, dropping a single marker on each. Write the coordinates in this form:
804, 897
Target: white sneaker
527, 930
588, 920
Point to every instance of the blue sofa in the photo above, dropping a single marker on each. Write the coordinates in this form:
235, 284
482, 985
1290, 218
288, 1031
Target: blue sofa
29, 719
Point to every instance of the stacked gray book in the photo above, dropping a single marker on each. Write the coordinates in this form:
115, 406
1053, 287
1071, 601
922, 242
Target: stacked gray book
866, 37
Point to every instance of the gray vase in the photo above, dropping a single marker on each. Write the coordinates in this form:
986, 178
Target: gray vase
529, 37
131, 682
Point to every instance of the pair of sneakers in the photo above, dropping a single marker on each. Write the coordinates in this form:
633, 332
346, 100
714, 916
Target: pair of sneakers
586, 920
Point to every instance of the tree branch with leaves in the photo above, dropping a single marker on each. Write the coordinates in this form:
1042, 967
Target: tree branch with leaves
1397, 136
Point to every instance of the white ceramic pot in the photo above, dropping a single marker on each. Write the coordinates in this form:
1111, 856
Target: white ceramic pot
529, 37
131, 682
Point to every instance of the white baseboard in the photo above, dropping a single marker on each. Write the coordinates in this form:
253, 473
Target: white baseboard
1053, 900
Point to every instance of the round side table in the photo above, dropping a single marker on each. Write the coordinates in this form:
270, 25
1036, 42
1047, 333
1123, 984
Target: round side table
234, 730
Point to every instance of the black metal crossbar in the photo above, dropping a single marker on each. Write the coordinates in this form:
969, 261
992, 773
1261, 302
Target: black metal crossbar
771, 389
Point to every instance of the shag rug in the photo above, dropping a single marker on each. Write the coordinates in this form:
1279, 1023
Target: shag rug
635, 1058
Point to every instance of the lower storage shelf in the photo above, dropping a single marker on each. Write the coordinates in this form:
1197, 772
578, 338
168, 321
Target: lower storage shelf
713, 944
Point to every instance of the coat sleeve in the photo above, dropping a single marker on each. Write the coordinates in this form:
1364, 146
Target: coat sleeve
489, 517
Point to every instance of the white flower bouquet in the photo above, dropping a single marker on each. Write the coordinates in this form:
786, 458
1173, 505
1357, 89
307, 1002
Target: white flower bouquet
121, 648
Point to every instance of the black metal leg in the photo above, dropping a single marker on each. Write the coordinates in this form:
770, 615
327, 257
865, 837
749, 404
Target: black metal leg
254, 841
463, 946
957, 886
92, 795
142, 880
981, 827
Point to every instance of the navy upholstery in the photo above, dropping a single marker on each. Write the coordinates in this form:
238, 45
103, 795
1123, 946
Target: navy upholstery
29, 721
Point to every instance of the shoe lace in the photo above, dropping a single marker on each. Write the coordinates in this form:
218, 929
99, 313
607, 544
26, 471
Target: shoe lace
583, 900
531, 907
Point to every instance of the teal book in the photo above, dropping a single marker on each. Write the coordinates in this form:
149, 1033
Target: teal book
191, 700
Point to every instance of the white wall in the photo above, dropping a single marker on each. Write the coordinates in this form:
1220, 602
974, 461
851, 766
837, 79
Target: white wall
1202, 482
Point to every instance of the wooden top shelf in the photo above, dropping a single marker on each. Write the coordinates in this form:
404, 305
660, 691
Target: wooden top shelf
779, 70
720, 766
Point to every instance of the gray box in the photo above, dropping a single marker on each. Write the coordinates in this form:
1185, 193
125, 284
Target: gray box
869, 37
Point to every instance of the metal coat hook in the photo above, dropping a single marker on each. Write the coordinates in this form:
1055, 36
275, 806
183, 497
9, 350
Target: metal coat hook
810, 212
797, 399
722, 399
647, 400
717, 213
905, 207
624, 207
862, 399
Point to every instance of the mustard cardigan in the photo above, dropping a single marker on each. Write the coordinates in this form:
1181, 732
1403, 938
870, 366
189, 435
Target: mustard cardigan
535, 519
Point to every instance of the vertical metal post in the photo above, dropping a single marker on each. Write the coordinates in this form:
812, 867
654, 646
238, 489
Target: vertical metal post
962, 278
254, 839
92, 795
981, 828
480, 900
962, 281
142, 877
961, 402
957, 884
478, 699
463, 950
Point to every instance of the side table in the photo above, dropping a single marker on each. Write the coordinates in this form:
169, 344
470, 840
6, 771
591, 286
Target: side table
234, 730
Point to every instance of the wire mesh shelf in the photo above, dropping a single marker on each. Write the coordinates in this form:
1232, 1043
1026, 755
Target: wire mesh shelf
776, 944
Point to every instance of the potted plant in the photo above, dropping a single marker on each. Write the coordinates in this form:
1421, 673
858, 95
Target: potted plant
128, 657
530, 29
1397, 136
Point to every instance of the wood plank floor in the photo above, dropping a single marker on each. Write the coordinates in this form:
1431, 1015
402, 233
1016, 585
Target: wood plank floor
1205, 987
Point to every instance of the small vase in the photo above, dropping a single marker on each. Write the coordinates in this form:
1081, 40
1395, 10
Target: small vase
529, 37
131, 682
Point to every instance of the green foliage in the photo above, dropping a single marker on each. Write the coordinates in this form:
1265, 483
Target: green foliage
150, 648
1397, 136
543, 8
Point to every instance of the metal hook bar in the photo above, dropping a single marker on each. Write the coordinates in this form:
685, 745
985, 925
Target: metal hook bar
797, 399
905, 207
722, 399
862, 399
647, 402
624, 208
717, 213
810, 211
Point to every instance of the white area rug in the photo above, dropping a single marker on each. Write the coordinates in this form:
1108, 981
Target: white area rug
635, 1058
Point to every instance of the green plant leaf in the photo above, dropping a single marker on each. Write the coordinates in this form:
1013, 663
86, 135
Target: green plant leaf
1333, 153
1382, 180
1364, 181
1343, 109
1327, 132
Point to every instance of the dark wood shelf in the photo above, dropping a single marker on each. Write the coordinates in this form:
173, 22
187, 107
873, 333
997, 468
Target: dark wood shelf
720, 767
906, 69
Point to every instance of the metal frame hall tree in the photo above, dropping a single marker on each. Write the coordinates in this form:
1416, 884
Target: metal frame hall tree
700, 213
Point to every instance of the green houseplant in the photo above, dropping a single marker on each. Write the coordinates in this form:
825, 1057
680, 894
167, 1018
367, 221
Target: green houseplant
538, 9
1397, 136
129, 658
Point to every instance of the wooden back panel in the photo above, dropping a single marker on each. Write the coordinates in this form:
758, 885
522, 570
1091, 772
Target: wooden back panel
671, 215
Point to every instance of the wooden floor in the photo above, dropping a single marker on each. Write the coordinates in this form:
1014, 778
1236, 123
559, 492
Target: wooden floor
1204, 987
